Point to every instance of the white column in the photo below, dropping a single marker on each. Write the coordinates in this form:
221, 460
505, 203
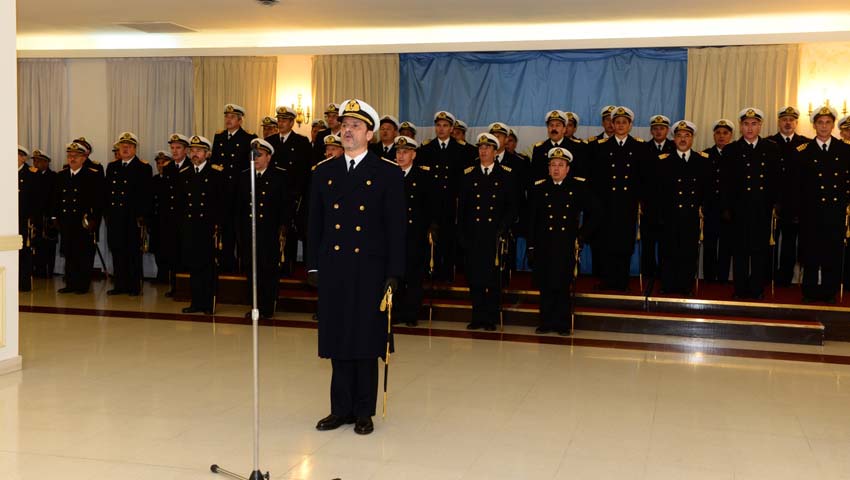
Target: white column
10, 242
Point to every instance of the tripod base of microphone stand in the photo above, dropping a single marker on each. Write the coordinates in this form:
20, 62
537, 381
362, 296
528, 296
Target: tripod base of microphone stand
255, 475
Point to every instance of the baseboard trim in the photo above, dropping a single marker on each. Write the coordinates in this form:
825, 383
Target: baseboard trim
11, 365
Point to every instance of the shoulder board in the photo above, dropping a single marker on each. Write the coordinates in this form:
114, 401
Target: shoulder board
771, 139
591, 139
638, 139
579, 179
506, 168
144, 161
389, 161
426, 141
577, 140
802, 146
94, 170
425, 167
703, 154
219, 132
217, 167
602, 140
468, 170
33, 169
280, 168
250, 133
663, 156
184, 169
94, 162
323, 161
462, 142
539, 143
845, 141
66, 166
542, 180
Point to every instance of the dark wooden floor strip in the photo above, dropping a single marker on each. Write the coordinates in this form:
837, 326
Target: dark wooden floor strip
477, 335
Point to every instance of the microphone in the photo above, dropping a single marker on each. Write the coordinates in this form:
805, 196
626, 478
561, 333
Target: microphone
255, 153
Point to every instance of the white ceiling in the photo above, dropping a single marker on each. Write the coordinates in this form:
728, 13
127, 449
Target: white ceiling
221, 24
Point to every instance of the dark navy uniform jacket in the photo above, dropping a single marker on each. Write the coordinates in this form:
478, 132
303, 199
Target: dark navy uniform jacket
356, 233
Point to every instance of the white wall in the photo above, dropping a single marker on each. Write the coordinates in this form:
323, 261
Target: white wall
294, 74
9, 353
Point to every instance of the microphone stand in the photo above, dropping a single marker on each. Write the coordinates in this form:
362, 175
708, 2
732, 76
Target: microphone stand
256, 473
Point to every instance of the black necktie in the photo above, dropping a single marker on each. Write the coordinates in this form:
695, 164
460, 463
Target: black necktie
229, 135
658, 145
787, 139
442, 146
486, 171
386, 149
824, 147
197, 169
752, 146
351, 166
684, 158
259, 175
620, 142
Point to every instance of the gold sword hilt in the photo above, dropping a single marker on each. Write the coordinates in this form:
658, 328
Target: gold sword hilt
773, 218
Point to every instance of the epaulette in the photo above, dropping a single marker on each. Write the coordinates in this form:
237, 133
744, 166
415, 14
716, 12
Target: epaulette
94, 170
33, 169
217, 167
771, 139
389, 161
184, 169
425, 167
577, 140
663, 156
506, 168
94, 162
219, 132
462, 142
592, 139
539, 143
468, 170
144, 161
639, 139
845, 141
323, 161
426, 141
542, 180
280, 168
802, 146
579, 179
602, 140
703, 154
66, 166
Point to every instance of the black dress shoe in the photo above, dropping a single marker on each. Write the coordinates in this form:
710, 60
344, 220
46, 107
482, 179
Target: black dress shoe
209, 312
542, 330
191, 310
332, 422
66, 290
412, 324
114, 291
473, 326
364, 426
564, 333
82, 292
490, 327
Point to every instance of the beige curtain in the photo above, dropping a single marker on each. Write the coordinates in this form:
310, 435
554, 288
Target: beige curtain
372, 78
43, 107
151, 97
249, 82
723, 81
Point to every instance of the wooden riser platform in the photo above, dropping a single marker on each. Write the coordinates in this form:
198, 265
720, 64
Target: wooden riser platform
710, 314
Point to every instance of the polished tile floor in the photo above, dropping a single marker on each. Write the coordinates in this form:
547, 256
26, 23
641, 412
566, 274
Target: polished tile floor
159, 399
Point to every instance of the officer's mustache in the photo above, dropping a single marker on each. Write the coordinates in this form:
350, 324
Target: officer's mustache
553, 132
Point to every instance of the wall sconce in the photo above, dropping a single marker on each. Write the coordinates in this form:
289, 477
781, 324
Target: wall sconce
302, 115
826, 102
